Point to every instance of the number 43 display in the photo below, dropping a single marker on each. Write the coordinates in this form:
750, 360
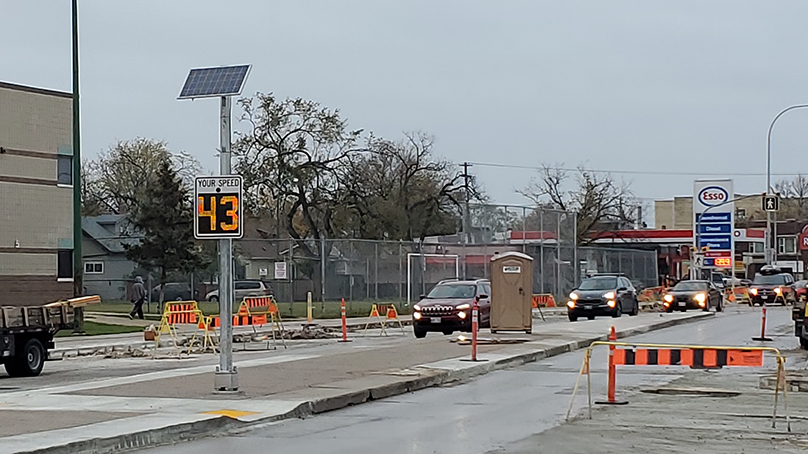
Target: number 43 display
218, 208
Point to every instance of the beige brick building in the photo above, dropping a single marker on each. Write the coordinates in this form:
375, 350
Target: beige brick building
36, 202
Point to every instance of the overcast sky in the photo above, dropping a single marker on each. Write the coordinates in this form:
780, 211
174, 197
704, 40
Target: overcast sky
662, 89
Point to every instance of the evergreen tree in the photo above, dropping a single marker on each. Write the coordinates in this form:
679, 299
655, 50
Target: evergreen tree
166, 222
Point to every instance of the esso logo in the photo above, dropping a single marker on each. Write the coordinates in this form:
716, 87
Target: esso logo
713, 195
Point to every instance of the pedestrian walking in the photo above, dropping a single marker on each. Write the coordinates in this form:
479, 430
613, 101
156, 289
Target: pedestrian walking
138, 298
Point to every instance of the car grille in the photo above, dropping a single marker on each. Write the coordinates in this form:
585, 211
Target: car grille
590, 302
437, 310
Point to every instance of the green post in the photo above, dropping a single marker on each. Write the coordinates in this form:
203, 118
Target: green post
78, 269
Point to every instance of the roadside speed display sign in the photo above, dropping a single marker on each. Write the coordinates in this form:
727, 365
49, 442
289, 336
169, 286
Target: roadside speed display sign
218, 207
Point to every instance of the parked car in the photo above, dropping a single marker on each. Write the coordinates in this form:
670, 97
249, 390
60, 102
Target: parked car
447, 307
694, 295
772, 284
603, 295
242, 289
175, 291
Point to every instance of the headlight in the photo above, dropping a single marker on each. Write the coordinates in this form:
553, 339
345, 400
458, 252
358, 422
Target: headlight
463, 306
462, 315
416, 315
573, 296
611, 303
753, 291
778, 290
609, 295
571, 304
417, 307
700, 297
668, 298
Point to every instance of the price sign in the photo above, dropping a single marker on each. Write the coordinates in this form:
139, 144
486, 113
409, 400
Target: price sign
218, 208
723, 262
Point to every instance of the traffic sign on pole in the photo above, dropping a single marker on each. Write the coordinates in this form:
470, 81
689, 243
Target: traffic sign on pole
771, 203
218, 212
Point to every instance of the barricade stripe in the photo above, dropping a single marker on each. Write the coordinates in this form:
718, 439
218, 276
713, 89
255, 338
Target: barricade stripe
675, 357
710, 358
664, 357
686, 357
698, 357
653, 357
721, 359
641, 357
620, 356
630, 357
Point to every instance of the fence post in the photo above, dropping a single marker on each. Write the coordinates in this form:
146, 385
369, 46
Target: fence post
400, 269
541, 247
557, 292
376, 272
322, 268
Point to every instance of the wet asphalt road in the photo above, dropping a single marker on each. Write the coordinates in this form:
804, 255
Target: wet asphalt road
489, 412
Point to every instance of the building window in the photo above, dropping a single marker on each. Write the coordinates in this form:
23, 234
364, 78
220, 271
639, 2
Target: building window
65, 265
787, 245
64, 170
756, 248
740, 214
93, 267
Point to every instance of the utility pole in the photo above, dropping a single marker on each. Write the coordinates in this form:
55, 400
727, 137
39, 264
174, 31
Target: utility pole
78, 267
465, 219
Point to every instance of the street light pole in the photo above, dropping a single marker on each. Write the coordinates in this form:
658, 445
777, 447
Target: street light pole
769, 251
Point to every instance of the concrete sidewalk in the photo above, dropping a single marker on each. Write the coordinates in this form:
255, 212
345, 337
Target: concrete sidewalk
164, 406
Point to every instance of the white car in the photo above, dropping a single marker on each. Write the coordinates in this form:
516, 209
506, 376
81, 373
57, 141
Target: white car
242, 289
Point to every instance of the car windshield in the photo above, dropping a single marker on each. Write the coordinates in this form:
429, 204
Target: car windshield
687, 286
452, 291
774, 279
599, 284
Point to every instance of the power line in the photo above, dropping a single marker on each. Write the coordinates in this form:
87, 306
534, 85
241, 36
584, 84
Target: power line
640, 172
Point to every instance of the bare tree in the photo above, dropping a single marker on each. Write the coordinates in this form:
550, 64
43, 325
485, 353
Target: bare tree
795, 197
288, 159
117, 181
599, 202
400, 190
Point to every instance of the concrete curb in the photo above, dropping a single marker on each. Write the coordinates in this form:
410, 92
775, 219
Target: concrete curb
431, 377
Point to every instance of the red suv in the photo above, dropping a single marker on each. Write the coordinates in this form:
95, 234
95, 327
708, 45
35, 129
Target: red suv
447, 307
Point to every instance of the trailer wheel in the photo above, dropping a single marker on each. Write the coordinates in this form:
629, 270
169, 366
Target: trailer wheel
28, 361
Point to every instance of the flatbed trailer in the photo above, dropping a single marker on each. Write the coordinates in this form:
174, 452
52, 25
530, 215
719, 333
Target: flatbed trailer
26, 333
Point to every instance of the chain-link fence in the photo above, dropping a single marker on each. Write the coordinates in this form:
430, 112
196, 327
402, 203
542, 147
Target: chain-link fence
402, 271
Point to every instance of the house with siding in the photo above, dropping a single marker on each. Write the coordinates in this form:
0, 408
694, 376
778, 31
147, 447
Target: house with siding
107, 271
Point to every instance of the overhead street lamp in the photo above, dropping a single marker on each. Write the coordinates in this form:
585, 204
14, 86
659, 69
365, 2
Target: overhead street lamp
768, 249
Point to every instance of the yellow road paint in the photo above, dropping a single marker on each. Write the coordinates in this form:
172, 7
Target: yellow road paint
230, 413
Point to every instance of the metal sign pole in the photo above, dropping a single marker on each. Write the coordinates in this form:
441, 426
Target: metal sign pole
226, 377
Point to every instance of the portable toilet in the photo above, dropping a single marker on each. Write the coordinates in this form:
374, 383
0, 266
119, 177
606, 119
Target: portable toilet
512, 292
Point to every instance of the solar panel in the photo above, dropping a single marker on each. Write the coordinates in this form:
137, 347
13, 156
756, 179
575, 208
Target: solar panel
214, 82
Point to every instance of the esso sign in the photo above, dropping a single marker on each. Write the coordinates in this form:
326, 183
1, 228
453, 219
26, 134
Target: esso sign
713, 195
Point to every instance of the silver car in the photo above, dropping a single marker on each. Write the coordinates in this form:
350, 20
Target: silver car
242, 289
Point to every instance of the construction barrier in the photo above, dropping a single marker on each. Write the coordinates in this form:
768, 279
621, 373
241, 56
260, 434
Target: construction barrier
543, 300
738, 295
259, 311
186, 313
652, 294
391, 316
695, 356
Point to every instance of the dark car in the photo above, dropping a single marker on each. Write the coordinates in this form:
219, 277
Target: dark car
175, 291
603, 295
447, 307
693, 295
772, 285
